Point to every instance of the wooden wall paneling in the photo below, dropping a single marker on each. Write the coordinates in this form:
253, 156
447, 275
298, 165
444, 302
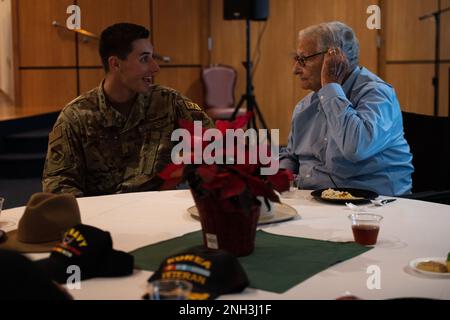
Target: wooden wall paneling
41, 44
445, 31
382, 50
445, 55
412, 83
90, 78
99, 14
273, 78
185, 80
47, 90
444, 89
407, 38
228, 42
278, 96
180, 30
352, 13
16, 50
7, 49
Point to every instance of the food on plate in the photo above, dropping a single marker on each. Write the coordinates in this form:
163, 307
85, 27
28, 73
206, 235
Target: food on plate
336, 194
432, 266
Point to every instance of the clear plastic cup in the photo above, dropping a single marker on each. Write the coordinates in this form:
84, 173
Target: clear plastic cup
365, 227
168, 289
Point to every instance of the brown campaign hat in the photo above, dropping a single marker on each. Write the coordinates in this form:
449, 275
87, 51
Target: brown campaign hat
47, 216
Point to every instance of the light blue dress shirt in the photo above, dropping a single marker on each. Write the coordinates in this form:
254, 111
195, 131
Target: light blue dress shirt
353, 133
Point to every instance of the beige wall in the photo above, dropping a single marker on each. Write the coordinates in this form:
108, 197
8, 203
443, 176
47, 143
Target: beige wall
408, 53
6, 51
180, 29
276, 88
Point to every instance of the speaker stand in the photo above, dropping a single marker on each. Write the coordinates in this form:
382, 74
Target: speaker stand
249, 96
437, 51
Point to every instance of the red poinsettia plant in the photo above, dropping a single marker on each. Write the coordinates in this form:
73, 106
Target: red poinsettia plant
241, 182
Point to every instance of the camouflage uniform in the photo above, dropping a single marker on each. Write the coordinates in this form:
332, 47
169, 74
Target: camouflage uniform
94, 150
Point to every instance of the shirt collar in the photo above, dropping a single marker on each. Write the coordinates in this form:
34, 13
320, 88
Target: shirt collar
348, 84
113, 118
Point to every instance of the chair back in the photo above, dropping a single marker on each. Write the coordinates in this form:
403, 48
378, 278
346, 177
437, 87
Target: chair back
429, 140
219, 82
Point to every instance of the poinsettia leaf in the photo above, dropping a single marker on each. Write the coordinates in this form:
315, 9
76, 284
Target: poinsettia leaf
257, 186
239, 122
280, 181
172, 170
230, 180
235, 187
207, 172
172, 175
186, 124
221, 180
222, 126
169, 184
274, 197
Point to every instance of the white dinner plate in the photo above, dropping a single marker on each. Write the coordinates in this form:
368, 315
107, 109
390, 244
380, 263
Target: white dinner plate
282, 212
413, 264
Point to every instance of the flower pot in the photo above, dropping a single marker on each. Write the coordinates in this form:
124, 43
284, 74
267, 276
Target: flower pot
227, 225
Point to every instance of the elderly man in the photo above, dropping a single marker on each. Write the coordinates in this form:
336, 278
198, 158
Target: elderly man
348, 132
116, 137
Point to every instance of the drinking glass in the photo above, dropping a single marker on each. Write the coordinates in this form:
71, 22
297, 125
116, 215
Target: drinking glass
168, 289
365, 227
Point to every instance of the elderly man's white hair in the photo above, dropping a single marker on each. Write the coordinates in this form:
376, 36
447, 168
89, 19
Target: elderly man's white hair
334, 34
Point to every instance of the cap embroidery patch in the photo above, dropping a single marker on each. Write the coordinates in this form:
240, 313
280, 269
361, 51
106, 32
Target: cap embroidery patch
197, 274
211, 273
71, 240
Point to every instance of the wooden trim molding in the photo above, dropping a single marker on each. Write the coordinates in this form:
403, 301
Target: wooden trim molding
16, 49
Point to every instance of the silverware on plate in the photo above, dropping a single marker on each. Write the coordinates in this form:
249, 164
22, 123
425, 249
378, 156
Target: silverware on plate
382, 201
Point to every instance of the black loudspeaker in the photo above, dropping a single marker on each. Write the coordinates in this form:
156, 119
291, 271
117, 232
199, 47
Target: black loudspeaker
246, 9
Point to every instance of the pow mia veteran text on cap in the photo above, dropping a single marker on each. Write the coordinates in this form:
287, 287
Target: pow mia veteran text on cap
211, 272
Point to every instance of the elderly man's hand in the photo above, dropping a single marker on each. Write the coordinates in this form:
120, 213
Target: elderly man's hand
335, 67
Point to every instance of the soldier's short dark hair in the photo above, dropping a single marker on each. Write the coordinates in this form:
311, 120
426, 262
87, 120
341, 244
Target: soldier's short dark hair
116, 40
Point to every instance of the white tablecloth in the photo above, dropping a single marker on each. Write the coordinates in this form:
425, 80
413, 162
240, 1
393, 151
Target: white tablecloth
410, 229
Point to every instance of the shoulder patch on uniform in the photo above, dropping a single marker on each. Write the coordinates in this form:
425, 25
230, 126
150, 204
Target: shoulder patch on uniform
163, 89
56, 155
55, 134
77, 99
192, 106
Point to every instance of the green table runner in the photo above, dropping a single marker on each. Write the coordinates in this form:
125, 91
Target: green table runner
277, 264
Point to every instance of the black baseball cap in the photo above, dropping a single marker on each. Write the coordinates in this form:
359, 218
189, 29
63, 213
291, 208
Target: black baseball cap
21, 279
211, 272
89, 248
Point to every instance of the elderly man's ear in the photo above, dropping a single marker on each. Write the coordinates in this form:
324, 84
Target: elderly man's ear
335, 67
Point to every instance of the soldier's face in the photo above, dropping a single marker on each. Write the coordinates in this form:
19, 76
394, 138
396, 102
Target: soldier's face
137, 70
310, 73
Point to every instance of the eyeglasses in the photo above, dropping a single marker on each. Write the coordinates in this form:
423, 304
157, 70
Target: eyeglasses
302, 60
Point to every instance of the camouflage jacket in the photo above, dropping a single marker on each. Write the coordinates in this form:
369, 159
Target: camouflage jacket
94, 150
